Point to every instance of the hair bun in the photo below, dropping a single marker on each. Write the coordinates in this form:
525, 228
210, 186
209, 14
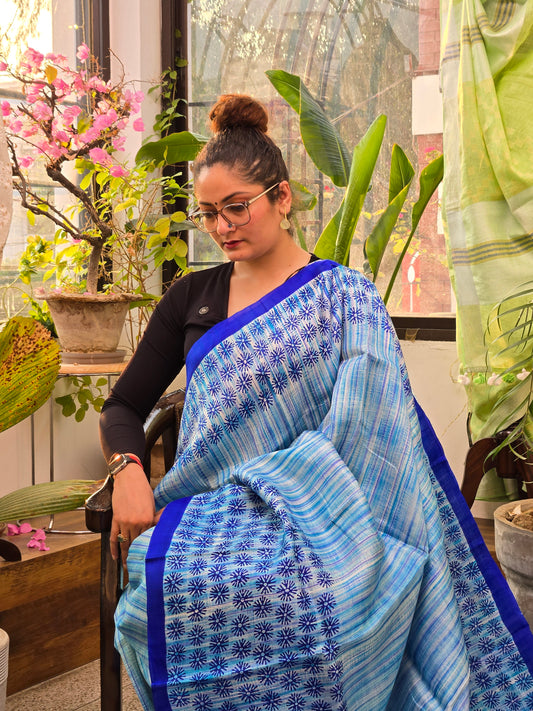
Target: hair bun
238, 111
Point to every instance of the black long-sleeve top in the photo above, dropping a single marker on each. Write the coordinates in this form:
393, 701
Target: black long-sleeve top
191, 306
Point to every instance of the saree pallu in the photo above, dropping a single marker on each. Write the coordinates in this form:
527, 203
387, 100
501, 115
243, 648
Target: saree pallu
309, 557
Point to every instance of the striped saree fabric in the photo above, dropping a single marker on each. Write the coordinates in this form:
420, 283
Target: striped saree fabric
487, 85
309, 556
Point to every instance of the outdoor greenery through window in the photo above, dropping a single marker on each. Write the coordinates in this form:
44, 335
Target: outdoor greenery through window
359, 59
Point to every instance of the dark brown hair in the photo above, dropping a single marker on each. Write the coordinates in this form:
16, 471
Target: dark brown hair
240, 141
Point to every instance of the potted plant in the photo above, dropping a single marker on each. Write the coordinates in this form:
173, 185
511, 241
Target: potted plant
73, 123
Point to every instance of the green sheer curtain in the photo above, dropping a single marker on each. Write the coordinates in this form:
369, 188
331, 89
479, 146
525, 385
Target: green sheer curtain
487, 83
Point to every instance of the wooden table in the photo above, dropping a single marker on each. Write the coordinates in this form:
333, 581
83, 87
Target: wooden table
49, 603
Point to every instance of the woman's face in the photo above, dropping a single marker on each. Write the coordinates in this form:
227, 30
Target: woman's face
218, 186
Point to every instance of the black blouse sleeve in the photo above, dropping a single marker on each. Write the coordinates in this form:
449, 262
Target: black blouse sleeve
159, 357
191, 306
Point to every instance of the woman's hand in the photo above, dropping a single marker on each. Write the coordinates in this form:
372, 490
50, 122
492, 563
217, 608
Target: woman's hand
133, 508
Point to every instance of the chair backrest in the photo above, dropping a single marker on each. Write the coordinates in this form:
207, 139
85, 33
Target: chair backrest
164, 421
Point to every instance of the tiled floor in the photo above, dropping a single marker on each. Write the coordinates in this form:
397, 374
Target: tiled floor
78, 690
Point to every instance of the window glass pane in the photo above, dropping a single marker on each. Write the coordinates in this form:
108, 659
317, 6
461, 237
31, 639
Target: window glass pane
57, 26
360, 60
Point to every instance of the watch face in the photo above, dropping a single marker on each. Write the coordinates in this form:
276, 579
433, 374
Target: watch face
117, 463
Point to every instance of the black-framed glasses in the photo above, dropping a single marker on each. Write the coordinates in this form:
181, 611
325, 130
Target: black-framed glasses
236, 214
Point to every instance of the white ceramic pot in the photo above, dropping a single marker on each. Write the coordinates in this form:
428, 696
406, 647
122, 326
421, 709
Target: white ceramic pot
89, 324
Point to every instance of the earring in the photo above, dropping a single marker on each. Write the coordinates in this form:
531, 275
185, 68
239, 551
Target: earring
285, 224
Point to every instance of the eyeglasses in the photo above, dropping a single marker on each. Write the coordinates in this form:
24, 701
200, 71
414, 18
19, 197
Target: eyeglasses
235, 214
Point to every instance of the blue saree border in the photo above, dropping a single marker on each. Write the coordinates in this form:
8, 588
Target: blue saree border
505, 601
155, 569
234, 323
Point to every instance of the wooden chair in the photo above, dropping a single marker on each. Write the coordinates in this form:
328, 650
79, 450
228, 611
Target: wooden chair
508, 465
163, 422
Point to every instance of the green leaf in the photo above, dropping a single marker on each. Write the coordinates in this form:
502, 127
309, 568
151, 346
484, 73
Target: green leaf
320, 137
364, 160
86, 181
401, 176
176, 148
430, 178
68, 406
124, 205
325, 246
302, 198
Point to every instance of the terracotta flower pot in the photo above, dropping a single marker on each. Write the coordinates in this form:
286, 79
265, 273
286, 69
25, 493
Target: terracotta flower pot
89, 326
514, 550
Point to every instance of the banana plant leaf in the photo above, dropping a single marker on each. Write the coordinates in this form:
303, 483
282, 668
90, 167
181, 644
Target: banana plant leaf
364, 160
321, 139
430, 177
29, 365
401, 177
177, 148
325, 246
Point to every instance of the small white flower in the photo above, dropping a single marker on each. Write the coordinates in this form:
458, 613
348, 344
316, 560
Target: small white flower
463, 379
494, 379
523, 374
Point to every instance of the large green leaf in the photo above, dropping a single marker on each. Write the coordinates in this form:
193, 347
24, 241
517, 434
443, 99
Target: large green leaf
401, 176
363, 163
320, 137
325, 246
430, 178
177, 148
29, 365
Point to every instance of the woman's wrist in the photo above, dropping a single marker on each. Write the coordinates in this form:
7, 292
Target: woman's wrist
120, 460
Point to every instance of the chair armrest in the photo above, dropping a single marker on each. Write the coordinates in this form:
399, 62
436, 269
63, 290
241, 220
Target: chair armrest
98, 511
163, 421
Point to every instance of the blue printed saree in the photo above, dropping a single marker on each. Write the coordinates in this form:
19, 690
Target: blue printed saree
315, 553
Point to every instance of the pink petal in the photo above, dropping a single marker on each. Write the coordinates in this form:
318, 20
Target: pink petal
43, 547
25, 528
39, 535
12, 529
32, 543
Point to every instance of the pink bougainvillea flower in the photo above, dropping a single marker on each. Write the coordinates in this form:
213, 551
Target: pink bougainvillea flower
98, 155
38, 540
98, 84
83, 52
41, 111
26, 161
103, 121
70, 114
138, 125
32, 59
91, 134
117, 171
118, 143
14, 530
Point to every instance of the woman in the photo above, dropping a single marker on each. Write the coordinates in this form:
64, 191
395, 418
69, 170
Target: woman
306, 555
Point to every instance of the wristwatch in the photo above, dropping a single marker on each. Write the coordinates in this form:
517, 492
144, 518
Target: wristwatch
118, 461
